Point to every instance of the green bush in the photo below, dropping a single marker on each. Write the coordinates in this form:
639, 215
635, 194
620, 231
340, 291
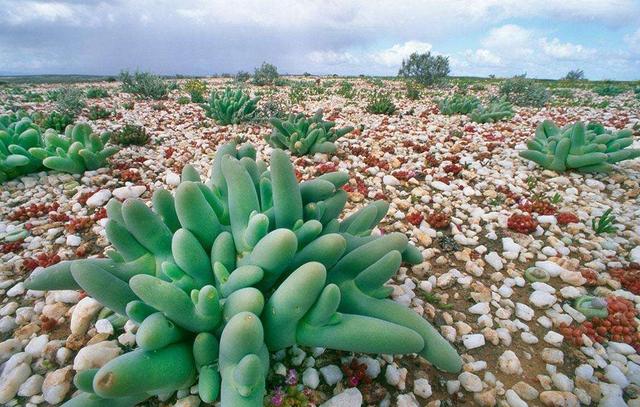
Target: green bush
195, 85
222, 273
346, 90
608, 89
305, 135
495, 111
425, 68
128, 105
413, 90
183, 100
563, 93
144, 85
231, 107
242, 76
70, 101
458, 104
32, 97
130, 134
574, 75
522, 91
55, 120
381, 103
267, 74
98, 112
97, 93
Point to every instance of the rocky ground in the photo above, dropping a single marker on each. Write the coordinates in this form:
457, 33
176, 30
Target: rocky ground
453, 185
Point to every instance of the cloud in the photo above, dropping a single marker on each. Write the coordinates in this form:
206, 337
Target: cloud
482, 57
633, 41
566, 50
393, 56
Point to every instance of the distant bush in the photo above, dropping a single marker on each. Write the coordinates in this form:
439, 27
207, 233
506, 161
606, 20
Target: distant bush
32, 97
381, 103
413, 91
425, 68
53, 120
574, 75
608, 89
144, 84
230, 107
346, 90
458, 104
563, 93
267, 74
130, 134
242, 76
522, 91
183, 100
128, 105
98, 112
70, 101
195, 85
97, 93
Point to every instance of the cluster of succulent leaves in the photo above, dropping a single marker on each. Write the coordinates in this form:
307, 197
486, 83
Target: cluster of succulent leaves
242, 76
129, 105
97, 112
225, 271
305, 135
69, 101
144, 85
346, 90
522, 91
53, 120
97, 93
608, 89
576, 147
196, 89
130, 134
424, 68
266, 74
231, 107
17, 135
32, 97
494, 111
381, 103
604, 223
458, 104
413, 90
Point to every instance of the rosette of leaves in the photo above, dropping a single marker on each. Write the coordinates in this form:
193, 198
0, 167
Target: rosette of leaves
458, 104
576, 147
54, 120
381, 103
77, 150
231, 107
130, 134
305, 135
18, 134
98, 112
493, 112
226, 271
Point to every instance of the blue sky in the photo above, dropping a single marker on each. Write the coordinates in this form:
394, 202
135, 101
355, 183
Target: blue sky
503, 37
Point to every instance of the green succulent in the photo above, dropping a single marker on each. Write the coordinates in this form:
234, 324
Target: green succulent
18, 134
130, 134
231, 107
97, 93
608, 89
576, 147
226, 271
55, 120
381, 103
305, 135
458, 104
76, 151
493, 112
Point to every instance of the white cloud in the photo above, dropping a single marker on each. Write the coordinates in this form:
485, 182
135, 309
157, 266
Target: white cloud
33, 11
633, 41
393, 56
482, 57
565, 50
332, 58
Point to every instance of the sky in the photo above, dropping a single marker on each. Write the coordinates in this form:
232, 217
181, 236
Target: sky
544, 38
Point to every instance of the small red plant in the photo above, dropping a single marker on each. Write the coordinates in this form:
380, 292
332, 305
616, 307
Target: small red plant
439, 220
415, 218
356, 373
564, 218
326, 168
538, 206
629, 277
522, 223
453, 169
11, 247
26, 212
41, 260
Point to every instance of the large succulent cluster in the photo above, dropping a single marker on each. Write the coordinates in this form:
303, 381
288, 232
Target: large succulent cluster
76, 151
305, 135
493, 112
576, 147
458, 104
231, 107
18, 134
225, 271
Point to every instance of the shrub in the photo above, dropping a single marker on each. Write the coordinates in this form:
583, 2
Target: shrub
77, 150
302, 135
297, 93
267, 74
130, 134
183, 100
70, 101
17, 135
231, 107
195, 85
458, 104
574, 75
242, 76
608, 89
54, 94
413, 91
144, 85
425, 68
563, 93
495, 111
522, 91
346, 90
98, 112
55, 120
97, 93
227, 271
128, 105
585, 149
32, 97
381, 103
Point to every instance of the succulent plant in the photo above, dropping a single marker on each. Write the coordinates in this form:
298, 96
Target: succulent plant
130, 134
228, 270
458, 104
493, 112
305, 135
231, 107
17, 135
576, 147
54, 120
76, 151
381, 103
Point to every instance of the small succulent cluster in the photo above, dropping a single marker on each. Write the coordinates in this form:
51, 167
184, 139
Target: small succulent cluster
381, 103
305, 135
77, 150
576, 147
608, 89
231, 107
144, 85
18, 134
130, 134
228, 270
493, 112
522, 91
196, 89
98, 112
458, 104
54, 120
97, 93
